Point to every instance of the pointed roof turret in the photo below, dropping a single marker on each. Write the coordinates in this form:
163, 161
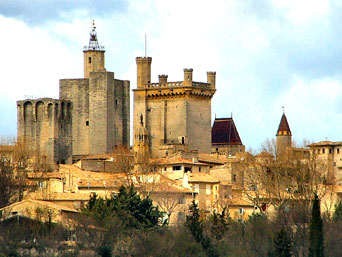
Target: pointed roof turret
284, 128
224, 132
93, 43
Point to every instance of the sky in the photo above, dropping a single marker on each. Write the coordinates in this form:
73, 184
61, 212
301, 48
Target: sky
267, 54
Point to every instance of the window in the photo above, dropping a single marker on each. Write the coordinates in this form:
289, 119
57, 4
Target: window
208, 189
178, 167
116, 102
323, 150
89, 59
216, 188
87, 122
199, 169
338, 150
196, 188
183, 141
329, 150
241, 211
234, 177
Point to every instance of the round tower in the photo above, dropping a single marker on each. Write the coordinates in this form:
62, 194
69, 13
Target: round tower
143, 71
94, 57
284, 137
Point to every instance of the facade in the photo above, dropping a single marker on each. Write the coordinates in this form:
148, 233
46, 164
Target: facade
91, 116
329, 154
225, 137
171, 116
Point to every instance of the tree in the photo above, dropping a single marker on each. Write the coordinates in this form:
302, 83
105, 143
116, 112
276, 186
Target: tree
195, 226
127, 206
282, 244
7, 184
316, 248
338, 212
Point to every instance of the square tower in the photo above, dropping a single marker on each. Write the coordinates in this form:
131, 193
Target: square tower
173, 115
100, 103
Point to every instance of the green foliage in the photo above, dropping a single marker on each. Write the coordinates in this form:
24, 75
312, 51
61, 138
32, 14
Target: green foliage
127, 206
282, 244
316, 248
195, 226
219, 224
105, 251
338, 212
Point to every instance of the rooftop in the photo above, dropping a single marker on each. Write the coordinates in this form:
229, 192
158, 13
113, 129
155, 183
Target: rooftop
224, 132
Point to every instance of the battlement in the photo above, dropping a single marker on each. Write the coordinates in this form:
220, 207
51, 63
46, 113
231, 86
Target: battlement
140, 60
176, 84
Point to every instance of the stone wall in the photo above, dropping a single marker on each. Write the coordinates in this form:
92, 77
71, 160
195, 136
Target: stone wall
45, 125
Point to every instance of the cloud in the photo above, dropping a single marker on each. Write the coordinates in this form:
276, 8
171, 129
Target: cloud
266, 54
36, 12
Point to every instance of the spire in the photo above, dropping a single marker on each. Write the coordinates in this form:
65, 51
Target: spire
93, 43
284, 128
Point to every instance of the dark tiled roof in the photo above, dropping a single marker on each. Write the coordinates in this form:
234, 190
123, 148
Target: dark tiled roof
284, 126
224, 132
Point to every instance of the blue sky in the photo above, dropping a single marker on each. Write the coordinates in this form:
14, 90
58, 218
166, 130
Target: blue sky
267, 54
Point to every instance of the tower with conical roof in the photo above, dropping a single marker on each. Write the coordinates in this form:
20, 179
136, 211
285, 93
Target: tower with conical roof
284, 137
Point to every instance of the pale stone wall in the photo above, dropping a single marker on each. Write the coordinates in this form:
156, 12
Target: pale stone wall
94, 61
45, 126
229, 150
77, 92
199, 124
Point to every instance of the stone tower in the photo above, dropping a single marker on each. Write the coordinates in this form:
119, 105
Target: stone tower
100, 105
91, 116
284, 137
173, 115
44, 125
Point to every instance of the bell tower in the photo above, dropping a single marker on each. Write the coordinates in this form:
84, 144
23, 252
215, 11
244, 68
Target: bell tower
284, 137
94, 58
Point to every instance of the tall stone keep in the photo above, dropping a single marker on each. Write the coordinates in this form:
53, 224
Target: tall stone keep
171, 116
101, 105
91, 116
284, 137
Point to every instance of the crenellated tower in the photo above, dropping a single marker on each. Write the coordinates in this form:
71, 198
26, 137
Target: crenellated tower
176, 115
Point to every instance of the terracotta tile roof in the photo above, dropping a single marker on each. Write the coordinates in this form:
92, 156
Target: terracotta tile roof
202, 177
43, 203
210, 158
326, 143
224, 132
177, 160
61, 196
284, 128
239, 202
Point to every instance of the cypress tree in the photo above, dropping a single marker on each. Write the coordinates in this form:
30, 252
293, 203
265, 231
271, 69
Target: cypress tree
316, 248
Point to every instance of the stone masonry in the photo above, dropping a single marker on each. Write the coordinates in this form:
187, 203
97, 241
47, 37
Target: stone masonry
174, 115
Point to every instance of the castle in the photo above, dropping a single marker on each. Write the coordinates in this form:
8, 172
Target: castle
91, 116
171, 116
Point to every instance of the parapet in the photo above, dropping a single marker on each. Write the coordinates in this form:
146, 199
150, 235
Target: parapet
140, 60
